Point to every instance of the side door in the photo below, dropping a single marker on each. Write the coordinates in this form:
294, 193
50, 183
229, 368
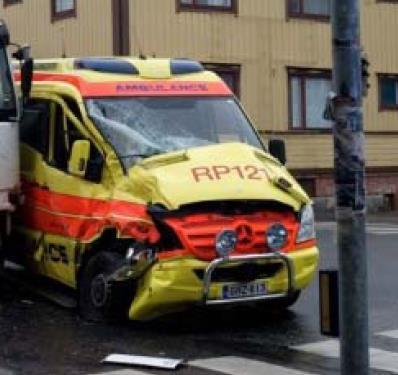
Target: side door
8, 132
73, 202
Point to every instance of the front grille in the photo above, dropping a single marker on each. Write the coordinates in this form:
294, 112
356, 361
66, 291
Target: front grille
242, 273
197, 232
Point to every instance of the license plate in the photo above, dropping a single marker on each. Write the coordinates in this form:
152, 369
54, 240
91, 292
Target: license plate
244, 290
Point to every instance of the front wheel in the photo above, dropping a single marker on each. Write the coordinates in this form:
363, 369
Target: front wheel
100, 299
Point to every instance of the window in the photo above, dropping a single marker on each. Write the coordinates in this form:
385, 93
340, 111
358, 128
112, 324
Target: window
388, 91
140, 127
222, 5
63, 8
308, 184
229, 73
61, 148
64, 134
11, 2
318, 9
308, 90
34, 126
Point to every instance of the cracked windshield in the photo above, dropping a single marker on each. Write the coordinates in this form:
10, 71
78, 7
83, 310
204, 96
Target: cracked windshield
142, 127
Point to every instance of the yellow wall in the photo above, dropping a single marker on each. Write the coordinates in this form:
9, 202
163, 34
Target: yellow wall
313, 151
90, 33
261, 39
265, 42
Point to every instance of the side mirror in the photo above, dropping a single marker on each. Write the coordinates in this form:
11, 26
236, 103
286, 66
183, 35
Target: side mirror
79, 158
26, 78
277, 149
4, 34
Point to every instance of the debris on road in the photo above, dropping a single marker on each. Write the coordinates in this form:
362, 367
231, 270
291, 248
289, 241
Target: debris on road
27, 302
144, 361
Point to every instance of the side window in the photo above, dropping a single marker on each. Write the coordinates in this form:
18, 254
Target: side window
65, 133
34, 126
60, 140
73, 106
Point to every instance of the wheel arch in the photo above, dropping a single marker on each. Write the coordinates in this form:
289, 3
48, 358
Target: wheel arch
107, 241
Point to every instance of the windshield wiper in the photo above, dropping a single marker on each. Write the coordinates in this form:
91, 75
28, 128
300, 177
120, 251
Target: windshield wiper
142, 156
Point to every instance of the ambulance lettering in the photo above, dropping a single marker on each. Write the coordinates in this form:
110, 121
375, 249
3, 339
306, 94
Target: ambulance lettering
56, 253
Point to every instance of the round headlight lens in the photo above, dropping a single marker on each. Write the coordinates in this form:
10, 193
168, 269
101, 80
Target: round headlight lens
276, 237
226, 242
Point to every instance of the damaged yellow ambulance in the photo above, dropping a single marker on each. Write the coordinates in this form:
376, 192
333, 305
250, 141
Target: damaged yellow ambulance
147, 190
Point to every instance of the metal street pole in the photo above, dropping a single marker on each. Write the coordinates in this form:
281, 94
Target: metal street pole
350, 187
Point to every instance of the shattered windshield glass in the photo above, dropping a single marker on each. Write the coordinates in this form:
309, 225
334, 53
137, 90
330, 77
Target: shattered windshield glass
141, 127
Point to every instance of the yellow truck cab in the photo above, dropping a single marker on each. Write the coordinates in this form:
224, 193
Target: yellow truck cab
147, 190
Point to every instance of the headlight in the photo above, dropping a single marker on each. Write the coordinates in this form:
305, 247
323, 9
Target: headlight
307, 224
276, 237
226, 242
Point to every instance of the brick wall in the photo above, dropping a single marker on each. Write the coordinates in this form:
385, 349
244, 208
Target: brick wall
377, 183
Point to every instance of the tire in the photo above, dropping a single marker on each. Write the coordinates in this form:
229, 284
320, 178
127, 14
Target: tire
98, 299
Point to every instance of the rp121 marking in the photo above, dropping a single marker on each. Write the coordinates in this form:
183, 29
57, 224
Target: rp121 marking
218, 172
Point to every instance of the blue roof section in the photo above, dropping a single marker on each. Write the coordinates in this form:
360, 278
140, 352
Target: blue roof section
120, 66
184, 66
106, 65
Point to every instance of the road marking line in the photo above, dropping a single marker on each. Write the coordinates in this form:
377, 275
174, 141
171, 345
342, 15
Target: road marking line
379, 359
378, 229
121, 372
391, 334
237, 366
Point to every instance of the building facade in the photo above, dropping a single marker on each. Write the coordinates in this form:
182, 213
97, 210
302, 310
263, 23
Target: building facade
275, 54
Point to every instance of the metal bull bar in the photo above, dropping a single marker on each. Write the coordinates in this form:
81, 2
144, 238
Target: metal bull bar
247, 258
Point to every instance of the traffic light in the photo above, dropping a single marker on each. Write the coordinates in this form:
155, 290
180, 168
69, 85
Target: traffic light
365, 75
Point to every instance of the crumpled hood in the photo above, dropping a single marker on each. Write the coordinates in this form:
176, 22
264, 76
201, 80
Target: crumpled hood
231, 171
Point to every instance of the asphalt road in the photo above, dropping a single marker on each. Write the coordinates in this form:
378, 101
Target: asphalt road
37, 337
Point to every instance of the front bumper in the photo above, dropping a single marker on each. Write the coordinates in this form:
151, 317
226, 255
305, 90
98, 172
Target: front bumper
172, 285
207, 280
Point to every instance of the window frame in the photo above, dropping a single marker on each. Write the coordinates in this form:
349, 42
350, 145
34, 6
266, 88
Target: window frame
207, 8
7, 3
234, 69
58, 102
302, 15
35, 104
380, 77
56, 16
304, 73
